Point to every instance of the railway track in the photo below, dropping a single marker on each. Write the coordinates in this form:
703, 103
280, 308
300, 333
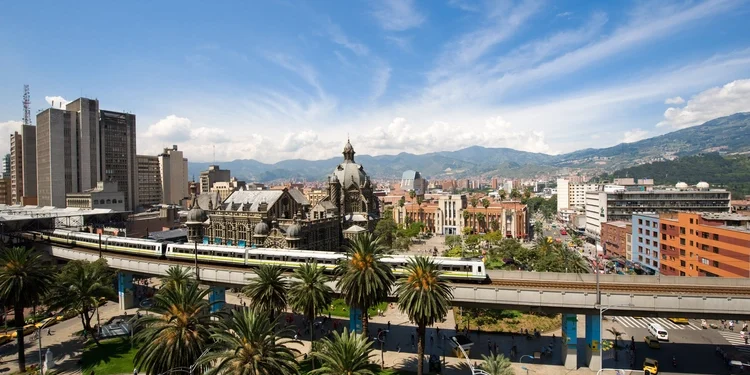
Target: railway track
511, 283
632, 288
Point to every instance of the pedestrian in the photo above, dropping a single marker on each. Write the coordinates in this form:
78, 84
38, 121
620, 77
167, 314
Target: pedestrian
329, 314
412, 339
489, 346
398, 348
389, 325
49, 331
135, 371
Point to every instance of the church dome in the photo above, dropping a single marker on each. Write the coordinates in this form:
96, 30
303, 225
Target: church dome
702, 185
261, 229
196, 215
681, 185
293, 230
350, 173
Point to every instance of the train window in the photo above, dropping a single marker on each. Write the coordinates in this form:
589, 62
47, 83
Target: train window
479, 269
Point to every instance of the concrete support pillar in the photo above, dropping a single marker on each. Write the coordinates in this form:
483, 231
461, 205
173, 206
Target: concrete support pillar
125, 290
355, 320
569, 345
593, 337
217, 298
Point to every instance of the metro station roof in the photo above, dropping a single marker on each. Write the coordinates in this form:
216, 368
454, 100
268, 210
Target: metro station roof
14, 217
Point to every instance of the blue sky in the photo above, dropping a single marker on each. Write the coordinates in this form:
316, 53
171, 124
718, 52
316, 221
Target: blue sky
272, 80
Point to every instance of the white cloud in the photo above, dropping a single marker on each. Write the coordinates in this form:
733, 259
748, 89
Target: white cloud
56, 101
170, 129
712, 103
595, 136
404, 43
297, 140
398, 15
634, 135
401, 135
467, 6
337, 36
342, 58
675, 100
7, 128
502, 24
380, 81
564, 14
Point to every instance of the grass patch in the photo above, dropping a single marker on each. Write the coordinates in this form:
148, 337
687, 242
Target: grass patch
341, 309
505, 320
114, 356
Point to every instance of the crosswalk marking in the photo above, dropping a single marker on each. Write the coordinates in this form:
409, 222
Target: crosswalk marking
734, 338
632, 322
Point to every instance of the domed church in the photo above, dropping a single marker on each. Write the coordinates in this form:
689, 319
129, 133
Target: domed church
350, 196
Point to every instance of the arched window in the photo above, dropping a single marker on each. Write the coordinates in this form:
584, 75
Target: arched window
109, 201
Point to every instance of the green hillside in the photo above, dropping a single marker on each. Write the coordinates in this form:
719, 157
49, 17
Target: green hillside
730, 172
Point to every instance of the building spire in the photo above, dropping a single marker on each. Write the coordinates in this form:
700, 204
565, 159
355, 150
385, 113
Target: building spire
348, 151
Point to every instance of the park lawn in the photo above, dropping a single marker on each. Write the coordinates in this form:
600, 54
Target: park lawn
341, 309
505, 320
114, 356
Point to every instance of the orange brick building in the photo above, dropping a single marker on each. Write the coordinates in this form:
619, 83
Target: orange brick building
705, 244
614, 237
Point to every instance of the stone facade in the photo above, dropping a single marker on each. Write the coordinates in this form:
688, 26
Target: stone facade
350, 195
267, 218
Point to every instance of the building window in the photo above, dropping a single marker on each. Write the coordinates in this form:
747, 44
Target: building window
682, 241
705, 261
663, 236
656, 254
682, 252
691, 232
716, 250
640, 221
691, 243
664, 227
648, 223
716, 237
716, 264
682, 263
691, 221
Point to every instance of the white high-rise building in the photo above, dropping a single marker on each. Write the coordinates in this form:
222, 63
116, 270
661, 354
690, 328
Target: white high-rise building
572, 195
174, 176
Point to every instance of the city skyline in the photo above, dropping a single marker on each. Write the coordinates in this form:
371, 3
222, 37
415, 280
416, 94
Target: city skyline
282, 80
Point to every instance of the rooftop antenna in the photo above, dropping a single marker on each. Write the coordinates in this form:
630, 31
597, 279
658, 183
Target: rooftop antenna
26, 105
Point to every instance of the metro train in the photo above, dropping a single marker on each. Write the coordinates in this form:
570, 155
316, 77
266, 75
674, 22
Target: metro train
453, 268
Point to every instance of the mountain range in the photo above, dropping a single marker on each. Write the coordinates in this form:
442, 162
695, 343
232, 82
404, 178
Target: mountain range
725, 135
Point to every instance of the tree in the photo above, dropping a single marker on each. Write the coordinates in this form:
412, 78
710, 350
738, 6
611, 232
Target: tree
402, 201
248, 343
267, 290
495, 225
177, 332
424, 296
480, 219
79, 286
24, 278
308, 292
412, 194
571, 261
617, 334
386, 228
364, 279
515, 194
527, 193
474, 201
176, 276
502, 194
345, 354
497, 364
420, 200
466, 216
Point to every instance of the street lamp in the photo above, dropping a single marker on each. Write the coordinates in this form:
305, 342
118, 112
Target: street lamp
382, 358
39, 336
602, 309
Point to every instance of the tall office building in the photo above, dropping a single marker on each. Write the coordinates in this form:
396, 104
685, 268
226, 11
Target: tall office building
118, 158
149, 181
88, 154
6, 166
28, 164
174, 176
16, 168
212, 175
56, 145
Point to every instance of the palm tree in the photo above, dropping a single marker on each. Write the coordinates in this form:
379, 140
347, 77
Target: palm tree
617, 334
502, 194
364, 279
571, 261
480, 219
412, 194
345, 354
176, 276
267, 291
515, 194
424, 296
486, 205
420, 200
474, 201
497, 364
24, 278
79, 286
248, 343
178, 331
309, 293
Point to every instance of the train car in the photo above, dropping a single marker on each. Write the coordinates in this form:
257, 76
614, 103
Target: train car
457, 269
291, 259
133, 246
207, 253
